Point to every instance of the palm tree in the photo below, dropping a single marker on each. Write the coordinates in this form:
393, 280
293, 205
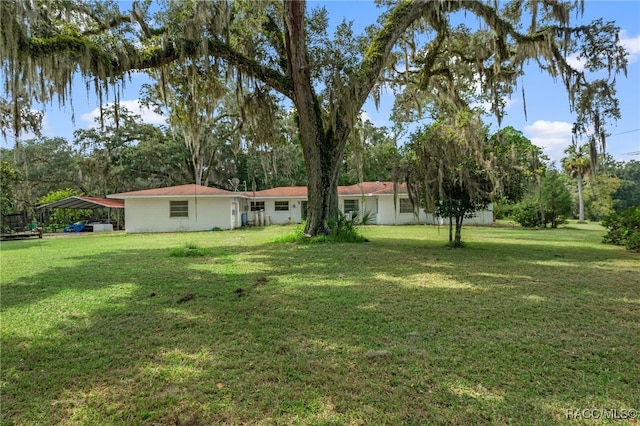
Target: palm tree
577, 164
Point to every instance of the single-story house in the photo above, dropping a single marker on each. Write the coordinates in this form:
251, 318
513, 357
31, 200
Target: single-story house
199, 208
289, 205
180, 208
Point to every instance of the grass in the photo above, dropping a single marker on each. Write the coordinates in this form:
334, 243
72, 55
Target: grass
517, 328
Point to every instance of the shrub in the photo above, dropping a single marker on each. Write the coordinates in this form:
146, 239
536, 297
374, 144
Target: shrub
623, 228
551, 217
344, 229
528, 215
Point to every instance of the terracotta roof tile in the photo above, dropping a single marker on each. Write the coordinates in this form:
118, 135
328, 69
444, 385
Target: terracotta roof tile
371, 188
301, 191
179, 190
282, 191
366, 188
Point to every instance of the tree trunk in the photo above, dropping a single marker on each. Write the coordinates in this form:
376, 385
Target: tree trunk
197, 174
580, 199
450, 229
322, 188
541, 203
323, 146
322, 150
458, 241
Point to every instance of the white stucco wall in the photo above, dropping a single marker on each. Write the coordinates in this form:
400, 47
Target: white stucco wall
293, 215
152, 214
366, 204
387, 215
484, 217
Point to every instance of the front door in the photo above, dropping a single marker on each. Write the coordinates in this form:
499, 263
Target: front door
234, 215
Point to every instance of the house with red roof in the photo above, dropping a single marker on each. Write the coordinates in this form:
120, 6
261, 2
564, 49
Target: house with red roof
288, 205
180, 208
199, 208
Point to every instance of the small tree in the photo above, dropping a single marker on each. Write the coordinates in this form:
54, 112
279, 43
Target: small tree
455, 177
598, 198
9, 177
527, 214
556, 198
458, 205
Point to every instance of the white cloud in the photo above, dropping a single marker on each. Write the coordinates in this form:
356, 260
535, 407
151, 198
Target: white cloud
576, 63
632, 44
553, 136
486, 105
47, 129
133, 105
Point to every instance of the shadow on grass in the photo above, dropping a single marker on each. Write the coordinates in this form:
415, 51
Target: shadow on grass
19, 243
394, 331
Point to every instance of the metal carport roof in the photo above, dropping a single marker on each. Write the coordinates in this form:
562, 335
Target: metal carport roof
85, 203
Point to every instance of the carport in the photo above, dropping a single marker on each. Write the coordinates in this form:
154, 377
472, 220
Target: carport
89, 203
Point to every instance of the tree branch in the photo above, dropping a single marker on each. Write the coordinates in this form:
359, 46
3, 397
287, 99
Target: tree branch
108, 64
276, 38
375, 59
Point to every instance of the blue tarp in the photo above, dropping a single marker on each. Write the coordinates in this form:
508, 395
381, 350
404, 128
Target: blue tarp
75, 227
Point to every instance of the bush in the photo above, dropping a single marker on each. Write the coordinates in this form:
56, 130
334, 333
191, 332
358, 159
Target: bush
551, 217
623, 228
528, 215
344, 229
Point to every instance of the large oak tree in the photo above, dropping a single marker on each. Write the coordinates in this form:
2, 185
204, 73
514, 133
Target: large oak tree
285, 47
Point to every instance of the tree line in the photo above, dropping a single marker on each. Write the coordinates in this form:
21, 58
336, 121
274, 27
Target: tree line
452, 167
132, 155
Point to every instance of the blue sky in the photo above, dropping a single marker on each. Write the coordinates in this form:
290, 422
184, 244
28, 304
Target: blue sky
548, 122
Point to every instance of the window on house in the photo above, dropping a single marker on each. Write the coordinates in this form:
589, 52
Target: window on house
282, 206
405, 205
178, 209
350, 206
256, 206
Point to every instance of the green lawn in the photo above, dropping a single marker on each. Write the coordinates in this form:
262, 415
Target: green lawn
517, 328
